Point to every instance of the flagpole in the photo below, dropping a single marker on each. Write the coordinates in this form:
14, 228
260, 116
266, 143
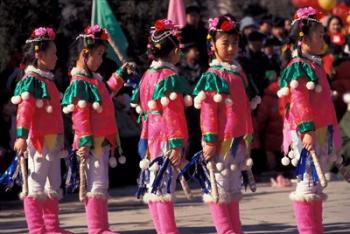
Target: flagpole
93, 13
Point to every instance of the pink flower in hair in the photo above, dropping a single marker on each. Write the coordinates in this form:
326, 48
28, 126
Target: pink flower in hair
93, 29
164, 24
39, 32
213, 23
305, 12
51, 33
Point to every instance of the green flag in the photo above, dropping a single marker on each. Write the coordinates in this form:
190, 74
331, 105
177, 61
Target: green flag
102, 15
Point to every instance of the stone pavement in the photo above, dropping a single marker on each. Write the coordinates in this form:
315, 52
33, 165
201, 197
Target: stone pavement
266, 211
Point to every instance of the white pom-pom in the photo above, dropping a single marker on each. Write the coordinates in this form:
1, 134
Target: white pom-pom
201, 96
233, 167
70, 107
228, 101
291, 154
16, 99
219, 166
49, 109
122, 159
257, 99
25, 95
133, 105
284, 91
197, 105
249, 162
334, 93
164, 101
188, 100
346, 98
96, 105
173, 96
294, 84
279, 93
39, 103
295, 161
113, 162
97, 164
65, 110
217, 97
224, 172
144, 164
138, 109
152, 105
82, 103
48, 157
310, 85
318, 88
154, 167
253, 105
285, 161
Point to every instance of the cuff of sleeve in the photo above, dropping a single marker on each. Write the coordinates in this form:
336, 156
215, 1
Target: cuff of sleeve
306, 127
86, 141
176, 143
22, 133
121, 73
210, 137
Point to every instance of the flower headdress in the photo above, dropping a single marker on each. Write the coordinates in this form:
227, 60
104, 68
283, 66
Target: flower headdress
93, 33
41, 34
308, 13
227, 25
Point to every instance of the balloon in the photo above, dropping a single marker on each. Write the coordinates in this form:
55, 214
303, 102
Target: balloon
305, 3
327, 4
341, 10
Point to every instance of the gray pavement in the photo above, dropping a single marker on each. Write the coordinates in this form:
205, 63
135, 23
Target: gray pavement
267, 211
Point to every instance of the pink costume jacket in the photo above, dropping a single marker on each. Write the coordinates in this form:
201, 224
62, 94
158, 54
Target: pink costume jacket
307, 99
92, 107
39, 112
160, 104
225, 108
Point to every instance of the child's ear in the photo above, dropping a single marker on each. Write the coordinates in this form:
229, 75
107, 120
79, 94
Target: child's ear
212, 46
38, 55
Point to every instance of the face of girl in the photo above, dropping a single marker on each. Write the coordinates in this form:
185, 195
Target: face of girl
226, 47
95, 58
315, 40
334, 26
47, 59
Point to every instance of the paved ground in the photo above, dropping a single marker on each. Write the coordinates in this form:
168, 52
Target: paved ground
266, 211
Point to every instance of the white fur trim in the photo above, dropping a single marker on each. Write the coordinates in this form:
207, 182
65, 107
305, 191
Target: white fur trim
318, 88
96, 195
16, 100
138, 109
49, 109
219, 166
46, 74
310, 85
122, 159
82, 103
294, 84
346, 98
37, 195
25, 95
164, 101
55, 194
113, 162
152, 105
188, 100
173, 96
154, 167
217, 98
294, 196
285, 161
151, 197
228, 101
144, 164
39, 103
223, 198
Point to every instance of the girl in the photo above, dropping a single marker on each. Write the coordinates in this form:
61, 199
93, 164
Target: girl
225, 121
306, 93
39, 105
160, 102
94, 123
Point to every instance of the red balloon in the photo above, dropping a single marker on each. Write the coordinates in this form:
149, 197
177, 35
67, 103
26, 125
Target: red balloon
305, 3
341, 10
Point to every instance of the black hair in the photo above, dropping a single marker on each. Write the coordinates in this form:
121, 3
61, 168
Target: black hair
193, 9
334, 17
80, 45
215, 34
161, 43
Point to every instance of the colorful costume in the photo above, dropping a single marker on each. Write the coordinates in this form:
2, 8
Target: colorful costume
308, 107
94, 124
225, 122
160, 103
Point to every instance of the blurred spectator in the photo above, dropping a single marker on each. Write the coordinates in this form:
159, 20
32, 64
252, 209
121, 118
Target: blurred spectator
247, 25
334, 24
265, 26
195, 32
287, 26
273, 58
254, 61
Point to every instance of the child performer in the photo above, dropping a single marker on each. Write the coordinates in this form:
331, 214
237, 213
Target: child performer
160, 102
225, 122
38, 102
310, 123
89, 99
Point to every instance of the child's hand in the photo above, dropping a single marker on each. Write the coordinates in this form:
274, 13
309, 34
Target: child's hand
20, 146
308, 141
175, 157
209, 151
129, 67
83, 152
